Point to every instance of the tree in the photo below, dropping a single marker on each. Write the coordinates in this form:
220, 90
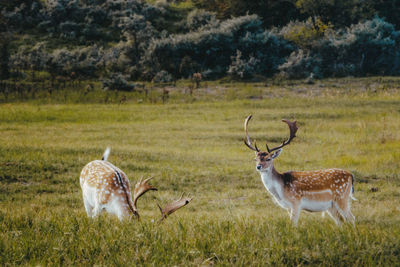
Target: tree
139, 31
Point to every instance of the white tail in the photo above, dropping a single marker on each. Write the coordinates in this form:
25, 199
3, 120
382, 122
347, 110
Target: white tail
106, 154
324, 190
352, 191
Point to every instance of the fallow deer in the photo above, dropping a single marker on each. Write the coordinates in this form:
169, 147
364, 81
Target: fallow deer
323, 190
105, 186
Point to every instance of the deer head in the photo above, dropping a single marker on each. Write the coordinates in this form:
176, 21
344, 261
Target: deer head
265, 158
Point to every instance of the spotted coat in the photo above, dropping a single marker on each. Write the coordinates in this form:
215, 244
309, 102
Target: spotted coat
323, 190
105, 186
306, 182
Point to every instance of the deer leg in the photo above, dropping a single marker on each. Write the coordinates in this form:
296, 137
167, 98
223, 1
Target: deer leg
114, 207
295, 214
120, 214
335, 215
88, 208
332, 214
96, 210
343, 206
340, 210
349, 216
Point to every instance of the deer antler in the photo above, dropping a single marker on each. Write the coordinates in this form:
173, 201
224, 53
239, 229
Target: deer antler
141, 187
248, 141
293, 129
174, 206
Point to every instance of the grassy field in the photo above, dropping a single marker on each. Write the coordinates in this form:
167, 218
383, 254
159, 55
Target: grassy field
197, 147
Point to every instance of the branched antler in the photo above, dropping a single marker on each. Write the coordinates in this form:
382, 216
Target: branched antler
292, 128
141, 187
248, 141
174, 206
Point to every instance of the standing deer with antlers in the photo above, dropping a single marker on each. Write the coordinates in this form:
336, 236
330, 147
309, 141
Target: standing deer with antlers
324, 190
105, 186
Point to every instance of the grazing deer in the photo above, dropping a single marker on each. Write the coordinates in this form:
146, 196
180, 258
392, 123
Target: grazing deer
105, 186
324, 190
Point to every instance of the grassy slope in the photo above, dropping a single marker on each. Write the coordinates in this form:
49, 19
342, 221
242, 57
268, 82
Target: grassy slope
198, 148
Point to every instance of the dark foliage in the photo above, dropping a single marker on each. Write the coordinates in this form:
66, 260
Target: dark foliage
117, 82
212, 49
137, 40
4, 61
368, 48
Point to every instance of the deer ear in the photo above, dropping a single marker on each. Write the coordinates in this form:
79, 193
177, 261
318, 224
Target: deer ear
276, 153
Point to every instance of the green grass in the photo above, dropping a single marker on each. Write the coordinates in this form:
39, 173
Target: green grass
195, 145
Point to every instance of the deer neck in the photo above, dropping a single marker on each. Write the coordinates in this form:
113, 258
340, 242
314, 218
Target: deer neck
273, 182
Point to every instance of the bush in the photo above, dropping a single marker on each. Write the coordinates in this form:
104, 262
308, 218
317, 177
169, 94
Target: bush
305, 33
70, 29
212, 49
117, 82
188, 67
23, 16
368, 48
242, 69
91, 32
269, 49
371, 47
199, 18
86, 61
162, 77
131, 37
299, 65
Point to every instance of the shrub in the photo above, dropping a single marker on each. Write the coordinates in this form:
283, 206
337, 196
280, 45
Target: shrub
25, 15
241, 68
300, 64
117, 82
199, 18
212, 49
305, 33
162, 77
269, 49
371, 47
70, 29
188, 67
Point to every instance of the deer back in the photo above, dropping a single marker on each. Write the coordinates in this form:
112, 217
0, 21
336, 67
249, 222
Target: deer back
304, 182
108, 180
